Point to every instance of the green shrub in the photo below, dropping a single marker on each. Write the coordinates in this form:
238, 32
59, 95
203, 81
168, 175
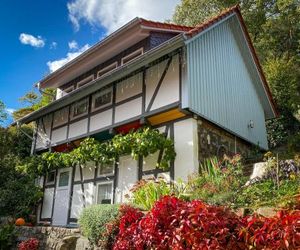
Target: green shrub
266, 193
217, 182
7, 234
93, 219
146, 193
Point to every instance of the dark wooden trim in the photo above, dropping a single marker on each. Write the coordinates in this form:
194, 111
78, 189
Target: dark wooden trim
74, 220
51, 129
68, 122
114, 103
44, 127
49, 185
82, 186
172, 163
71, 194
129, 99
115, 180
89, 113
159, 84
54, 194
140, 168
144, 91
97, 179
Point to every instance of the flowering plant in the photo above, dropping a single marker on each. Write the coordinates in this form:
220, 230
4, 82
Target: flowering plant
30, 244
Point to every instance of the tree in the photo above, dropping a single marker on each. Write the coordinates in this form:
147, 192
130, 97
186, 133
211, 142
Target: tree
274, 27
33, 102
3, 113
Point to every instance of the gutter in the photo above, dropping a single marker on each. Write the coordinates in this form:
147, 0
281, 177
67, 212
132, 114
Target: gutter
153, 54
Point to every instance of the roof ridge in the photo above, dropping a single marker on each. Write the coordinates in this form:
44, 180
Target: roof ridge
201, 26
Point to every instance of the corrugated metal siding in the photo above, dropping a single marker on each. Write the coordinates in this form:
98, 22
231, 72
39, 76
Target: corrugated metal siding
220, 86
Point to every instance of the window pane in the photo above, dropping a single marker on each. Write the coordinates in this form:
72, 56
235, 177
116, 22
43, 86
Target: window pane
80, 108
63, 179
104, 195
105, 169
50, 177
103, 99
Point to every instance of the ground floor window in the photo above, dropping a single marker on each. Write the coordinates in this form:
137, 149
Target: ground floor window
105, 193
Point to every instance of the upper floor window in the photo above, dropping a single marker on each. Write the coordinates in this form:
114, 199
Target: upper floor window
132, 55
80, 108
107, 69
102, 99
85, 81
62, 92
60, 117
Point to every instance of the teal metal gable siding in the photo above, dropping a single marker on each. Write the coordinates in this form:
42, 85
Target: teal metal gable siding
220, 85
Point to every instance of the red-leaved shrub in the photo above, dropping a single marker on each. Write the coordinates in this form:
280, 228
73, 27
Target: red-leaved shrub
30, 244
279, 232
176, 224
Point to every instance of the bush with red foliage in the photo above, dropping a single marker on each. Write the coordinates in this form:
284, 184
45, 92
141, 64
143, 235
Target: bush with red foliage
279, 232
30, 244
176, 224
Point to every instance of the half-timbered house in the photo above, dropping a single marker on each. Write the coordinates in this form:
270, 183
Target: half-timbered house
202, 86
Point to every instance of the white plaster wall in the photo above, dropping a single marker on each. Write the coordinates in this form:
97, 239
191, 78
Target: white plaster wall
59, 134
186, 147
78, 128
128, 176
43, 135
150, 161
47, 203
101, 120
129, 87
77, 174
153, 74
89, 193
128, 110
165, 176
169, 90
88, 172
77, 201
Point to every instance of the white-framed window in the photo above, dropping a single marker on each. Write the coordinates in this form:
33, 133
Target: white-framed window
104, 192
85, 81
63, 92
80, 108
60, 117
106, 169
102, 99
107, 69
50, 178
132, 55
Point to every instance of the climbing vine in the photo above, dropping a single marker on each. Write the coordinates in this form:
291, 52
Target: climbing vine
143, 142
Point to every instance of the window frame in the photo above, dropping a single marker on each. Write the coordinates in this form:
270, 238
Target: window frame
99, 93
85, 81
47, 182
102, 184
60, 112
72, 116
132, 55
107, 69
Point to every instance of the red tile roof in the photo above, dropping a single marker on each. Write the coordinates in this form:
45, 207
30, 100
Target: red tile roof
167, 26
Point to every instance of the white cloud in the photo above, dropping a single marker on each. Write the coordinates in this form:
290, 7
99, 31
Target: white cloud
113, 14
53, 45
10, 110
28, 39
73, 45
54, 65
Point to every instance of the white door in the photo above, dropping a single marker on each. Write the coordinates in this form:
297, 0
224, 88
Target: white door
128, 176
62, 195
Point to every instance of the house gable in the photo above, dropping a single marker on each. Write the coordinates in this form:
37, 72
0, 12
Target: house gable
223, 83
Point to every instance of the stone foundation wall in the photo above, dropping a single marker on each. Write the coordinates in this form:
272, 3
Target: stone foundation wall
215, 141
54, 238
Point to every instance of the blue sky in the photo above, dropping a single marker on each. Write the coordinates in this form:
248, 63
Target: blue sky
38, 36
